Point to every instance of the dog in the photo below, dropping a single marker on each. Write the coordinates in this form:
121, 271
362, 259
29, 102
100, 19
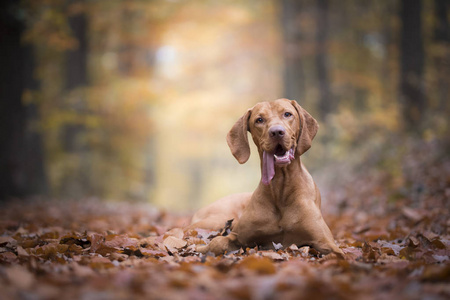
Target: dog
286, 206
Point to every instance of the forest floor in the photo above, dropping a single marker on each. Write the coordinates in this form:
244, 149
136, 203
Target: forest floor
396, 241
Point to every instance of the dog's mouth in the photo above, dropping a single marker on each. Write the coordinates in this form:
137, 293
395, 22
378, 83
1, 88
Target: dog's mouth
283, 157
279, 157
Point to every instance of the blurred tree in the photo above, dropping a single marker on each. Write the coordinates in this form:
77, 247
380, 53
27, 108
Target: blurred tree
76, 58
292, 52
442, 29
441, 61
326, 103
412, 60
76, 182
127, 50
21, 156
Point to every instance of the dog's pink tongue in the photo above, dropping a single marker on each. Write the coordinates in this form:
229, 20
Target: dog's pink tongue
268, 168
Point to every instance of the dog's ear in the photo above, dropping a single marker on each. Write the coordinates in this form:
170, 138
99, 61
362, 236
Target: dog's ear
308, 128
237, 139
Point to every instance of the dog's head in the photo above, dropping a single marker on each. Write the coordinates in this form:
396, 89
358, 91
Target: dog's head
282, 130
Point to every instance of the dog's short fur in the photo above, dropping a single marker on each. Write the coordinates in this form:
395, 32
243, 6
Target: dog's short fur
285, 207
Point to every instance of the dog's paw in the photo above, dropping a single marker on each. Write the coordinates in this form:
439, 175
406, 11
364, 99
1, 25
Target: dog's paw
218, 245
340, 254
202, 249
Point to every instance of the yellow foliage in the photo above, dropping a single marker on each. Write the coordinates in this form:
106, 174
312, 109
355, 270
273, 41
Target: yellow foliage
170, 78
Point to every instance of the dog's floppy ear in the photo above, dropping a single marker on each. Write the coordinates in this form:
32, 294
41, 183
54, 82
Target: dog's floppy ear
237, 139
308, 128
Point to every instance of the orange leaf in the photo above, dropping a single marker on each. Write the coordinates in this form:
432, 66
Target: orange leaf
260, 265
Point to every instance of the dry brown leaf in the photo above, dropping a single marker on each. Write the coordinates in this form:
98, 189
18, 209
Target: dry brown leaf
352, 253
22, 252
195, 241
175, 232
260, 265
152, 253
272, 255
98, 262
293, 247
20, 277
118, 256
120, 241
96, 241
412, 214
80, 270
375, 234
390, 248
8, 257
6, 239
305, 251
436, 273
173, 244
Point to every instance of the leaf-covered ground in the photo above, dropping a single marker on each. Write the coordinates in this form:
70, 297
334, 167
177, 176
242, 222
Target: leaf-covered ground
396, 241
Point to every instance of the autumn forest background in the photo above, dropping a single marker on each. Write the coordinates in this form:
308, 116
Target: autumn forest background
111, 101
131, 100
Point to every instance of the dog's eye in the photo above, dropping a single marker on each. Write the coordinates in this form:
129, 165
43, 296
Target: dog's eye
259, 120
287, 114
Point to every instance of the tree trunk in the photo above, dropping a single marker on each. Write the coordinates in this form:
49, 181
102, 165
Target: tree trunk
76, 59
442, 36
21, 156
412, 65
326, 104
76, 182
293, 68
442, 29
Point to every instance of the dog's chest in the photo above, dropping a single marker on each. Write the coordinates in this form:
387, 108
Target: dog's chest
265, 231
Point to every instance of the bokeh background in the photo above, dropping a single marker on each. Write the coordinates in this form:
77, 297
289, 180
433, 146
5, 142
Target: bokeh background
132, 99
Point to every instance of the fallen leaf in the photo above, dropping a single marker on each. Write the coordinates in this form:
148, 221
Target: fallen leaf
6, 239
96, 241
260, 265
120, 241
175, 232
80, 270
370, 253
98, 262
22, 252
152, 253
173, 244
293, 247
227, 228
352, 253
436, 273
412, 214
20, 277
375, 234
277, 246
393, 247
272, 255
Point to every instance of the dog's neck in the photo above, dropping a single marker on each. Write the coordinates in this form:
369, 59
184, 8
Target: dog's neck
279, 187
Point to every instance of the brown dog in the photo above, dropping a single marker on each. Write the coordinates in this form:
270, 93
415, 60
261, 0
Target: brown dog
285, 208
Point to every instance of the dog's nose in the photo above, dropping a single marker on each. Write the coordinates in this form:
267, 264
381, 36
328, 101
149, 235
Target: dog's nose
277, 131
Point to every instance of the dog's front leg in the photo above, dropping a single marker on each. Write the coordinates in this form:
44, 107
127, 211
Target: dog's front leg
220, 245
